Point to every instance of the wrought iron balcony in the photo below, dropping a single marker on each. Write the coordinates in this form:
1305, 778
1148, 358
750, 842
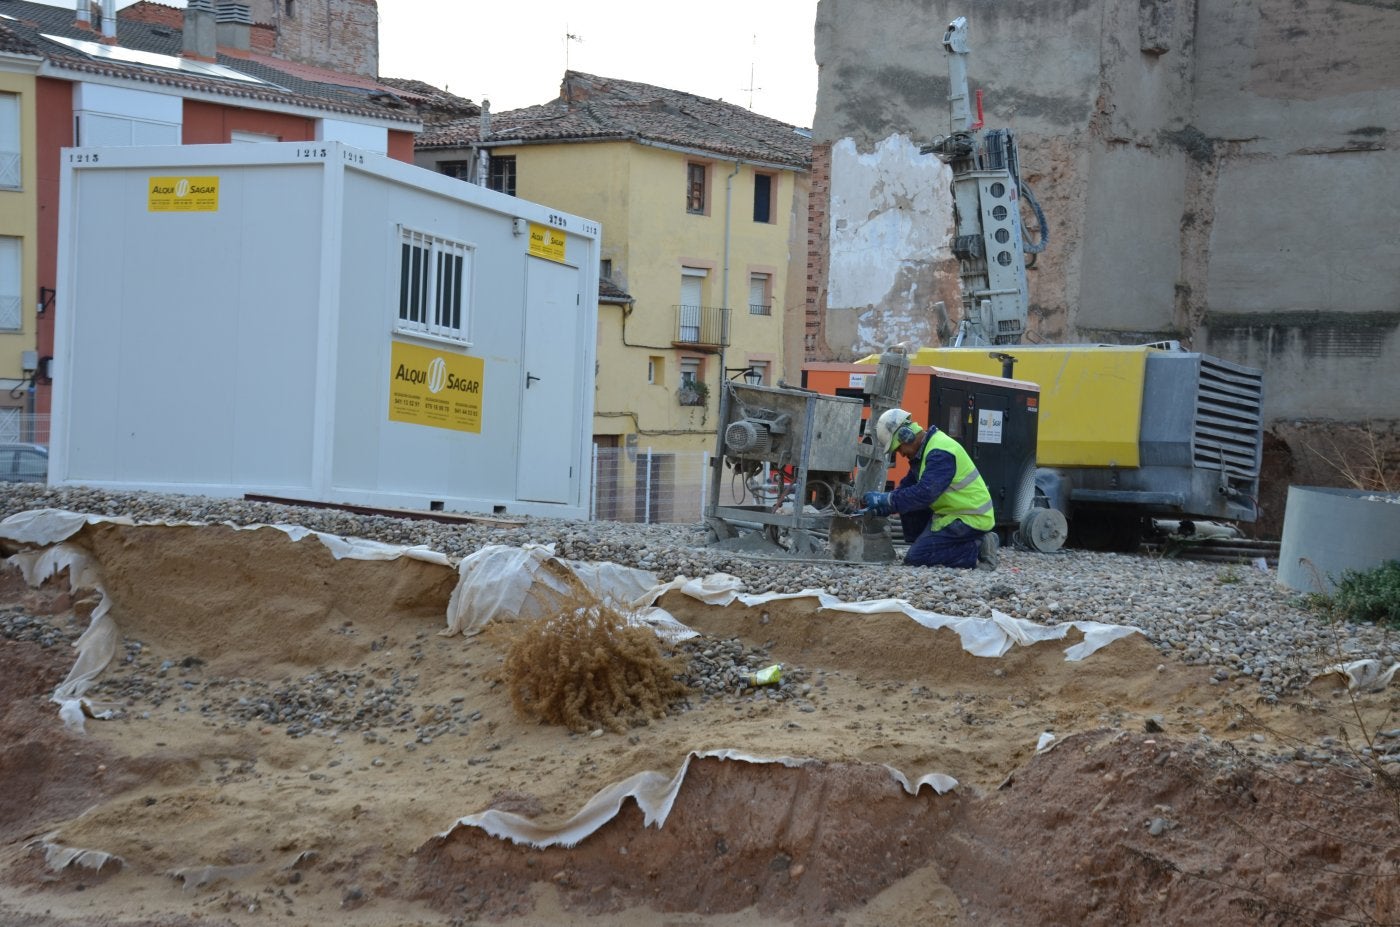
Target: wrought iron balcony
702, 327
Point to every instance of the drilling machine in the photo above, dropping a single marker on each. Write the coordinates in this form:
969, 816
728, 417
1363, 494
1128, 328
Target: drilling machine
989, 240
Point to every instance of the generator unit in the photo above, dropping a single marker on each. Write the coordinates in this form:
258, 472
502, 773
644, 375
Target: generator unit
1124, 434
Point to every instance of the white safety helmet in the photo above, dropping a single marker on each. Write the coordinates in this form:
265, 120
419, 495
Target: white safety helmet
894, 428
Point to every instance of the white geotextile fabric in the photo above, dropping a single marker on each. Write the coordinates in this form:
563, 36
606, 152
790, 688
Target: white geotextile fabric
48, 526
98, 643
981, 637
57, 856
499, 582
1363, 675
654, 792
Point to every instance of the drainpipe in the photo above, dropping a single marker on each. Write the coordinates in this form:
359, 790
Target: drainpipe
482, 158
724, 298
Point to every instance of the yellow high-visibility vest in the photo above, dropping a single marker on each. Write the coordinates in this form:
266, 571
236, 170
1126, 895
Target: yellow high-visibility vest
966, 498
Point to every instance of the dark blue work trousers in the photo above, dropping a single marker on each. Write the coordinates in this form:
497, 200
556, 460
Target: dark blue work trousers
955, 545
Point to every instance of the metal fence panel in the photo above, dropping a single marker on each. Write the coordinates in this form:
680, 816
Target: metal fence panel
18, 427
649, 486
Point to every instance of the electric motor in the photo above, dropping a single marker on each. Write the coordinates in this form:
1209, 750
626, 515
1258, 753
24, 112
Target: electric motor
746, 437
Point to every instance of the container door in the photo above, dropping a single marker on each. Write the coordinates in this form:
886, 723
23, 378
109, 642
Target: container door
548, 430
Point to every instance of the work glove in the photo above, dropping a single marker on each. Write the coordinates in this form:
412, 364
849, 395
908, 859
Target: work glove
877, 503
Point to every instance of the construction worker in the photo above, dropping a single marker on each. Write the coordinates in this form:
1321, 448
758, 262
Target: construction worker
943, 503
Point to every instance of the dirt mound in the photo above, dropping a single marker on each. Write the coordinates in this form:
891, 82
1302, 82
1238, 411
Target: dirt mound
801, 844
1131, 829
253, 602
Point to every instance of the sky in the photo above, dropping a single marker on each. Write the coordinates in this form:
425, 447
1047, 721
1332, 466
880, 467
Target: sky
753, 53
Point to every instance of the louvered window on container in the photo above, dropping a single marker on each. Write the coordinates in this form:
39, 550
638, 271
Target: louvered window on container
434, 286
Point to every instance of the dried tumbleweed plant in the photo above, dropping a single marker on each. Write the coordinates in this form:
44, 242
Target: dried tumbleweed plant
586, 668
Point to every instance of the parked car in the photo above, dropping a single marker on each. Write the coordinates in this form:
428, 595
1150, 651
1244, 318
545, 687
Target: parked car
24, 463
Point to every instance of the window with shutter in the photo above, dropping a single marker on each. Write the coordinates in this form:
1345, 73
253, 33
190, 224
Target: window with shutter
10, 177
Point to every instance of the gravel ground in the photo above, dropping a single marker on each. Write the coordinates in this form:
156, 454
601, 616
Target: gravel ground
1234, 617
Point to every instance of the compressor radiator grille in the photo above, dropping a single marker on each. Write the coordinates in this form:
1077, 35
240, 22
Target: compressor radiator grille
1227, 432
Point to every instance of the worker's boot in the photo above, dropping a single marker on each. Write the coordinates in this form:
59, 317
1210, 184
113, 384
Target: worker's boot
987, 547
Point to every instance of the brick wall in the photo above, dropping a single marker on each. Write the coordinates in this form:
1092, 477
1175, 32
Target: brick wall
818, 239
342, 35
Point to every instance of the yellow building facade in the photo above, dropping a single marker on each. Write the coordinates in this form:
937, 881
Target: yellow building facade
18, 244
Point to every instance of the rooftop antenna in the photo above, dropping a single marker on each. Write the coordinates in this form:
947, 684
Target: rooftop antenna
569, 37
751, 88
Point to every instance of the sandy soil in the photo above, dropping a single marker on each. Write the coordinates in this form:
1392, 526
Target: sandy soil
1164, 797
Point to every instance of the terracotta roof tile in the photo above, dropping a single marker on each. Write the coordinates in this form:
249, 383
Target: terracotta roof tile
437, 105
14, 43
609, 292
591, 108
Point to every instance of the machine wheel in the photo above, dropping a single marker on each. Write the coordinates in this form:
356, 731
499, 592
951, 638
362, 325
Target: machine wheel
1043, 530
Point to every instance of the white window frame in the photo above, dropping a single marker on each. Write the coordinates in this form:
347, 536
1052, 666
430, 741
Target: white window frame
697, 191
244, 137
11, 283
692, 371
770, 205
430, 304
761, 285
11, 173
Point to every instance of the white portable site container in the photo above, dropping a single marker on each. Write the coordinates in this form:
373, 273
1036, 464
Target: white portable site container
312, 321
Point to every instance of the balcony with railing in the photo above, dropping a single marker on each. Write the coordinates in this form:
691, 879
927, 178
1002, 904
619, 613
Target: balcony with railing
760, 308
702, 328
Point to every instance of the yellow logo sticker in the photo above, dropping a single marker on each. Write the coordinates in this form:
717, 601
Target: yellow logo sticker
546, 242
428, 386
182, 194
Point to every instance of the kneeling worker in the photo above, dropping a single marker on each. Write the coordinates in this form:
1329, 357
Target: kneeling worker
943, 503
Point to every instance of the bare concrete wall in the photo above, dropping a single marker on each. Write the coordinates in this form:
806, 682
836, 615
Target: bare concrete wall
1297, 105
885, 246
1218, 172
